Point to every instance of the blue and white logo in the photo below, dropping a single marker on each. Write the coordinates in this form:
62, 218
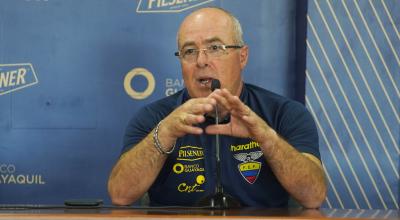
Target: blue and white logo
168, 6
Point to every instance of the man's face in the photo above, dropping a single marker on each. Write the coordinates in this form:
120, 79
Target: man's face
199, 31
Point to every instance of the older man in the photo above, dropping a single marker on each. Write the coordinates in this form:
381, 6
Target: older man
269, 144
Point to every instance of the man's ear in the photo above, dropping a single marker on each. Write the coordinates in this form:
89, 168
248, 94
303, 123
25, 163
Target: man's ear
244, 55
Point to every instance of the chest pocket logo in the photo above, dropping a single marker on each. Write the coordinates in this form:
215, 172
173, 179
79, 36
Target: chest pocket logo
249, 169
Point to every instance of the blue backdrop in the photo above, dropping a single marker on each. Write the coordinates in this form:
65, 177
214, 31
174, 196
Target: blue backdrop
66, 95
72, 73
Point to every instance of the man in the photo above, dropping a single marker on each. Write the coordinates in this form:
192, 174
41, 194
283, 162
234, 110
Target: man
269, 144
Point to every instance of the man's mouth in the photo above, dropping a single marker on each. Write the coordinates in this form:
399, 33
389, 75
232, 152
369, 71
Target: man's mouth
206, 82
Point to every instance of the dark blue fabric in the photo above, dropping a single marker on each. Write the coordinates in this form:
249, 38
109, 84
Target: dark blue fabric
190, 171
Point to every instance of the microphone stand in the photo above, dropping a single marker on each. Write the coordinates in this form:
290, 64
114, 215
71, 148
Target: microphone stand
218, 187
219, 199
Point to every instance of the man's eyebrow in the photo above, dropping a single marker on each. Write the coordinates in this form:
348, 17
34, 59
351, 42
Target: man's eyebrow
207, 41
189, 43
213, 40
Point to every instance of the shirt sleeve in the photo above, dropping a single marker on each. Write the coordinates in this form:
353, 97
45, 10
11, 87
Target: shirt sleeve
141, 124
298, 128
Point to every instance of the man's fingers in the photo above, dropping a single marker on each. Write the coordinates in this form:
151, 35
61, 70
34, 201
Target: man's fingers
221, 100
206, 100
187, 129
240, 113
224, 129
237, 104
200, 108
184, 126
200, 105
234, 102
189, 119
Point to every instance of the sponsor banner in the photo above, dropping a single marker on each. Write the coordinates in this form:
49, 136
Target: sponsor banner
173, 85
168, 6
14, 77
134, 93
10, 176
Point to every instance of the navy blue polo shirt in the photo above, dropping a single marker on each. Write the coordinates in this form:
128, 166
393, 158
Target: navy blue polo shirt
189, 173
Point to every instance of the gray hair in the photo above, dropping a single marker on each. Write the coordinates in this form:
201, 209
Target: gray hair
237, 28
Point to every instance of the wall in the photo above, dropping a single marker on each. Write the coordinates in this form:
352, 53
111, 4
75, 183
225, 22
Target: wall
63, 115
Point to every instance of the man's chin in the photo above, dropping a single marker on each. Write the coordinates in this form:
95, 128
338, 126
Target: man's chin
199, 93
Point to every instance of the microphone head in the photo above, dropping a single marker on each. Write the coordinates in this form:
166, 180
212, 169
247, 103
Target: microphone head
215, 84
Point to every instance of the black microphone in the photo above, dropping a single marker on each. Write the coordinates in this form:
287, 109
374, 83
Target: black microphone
219, 199
215, 84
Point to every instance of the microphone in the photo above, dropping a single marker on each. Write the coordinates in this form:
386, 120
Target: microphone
219, 199
215, 84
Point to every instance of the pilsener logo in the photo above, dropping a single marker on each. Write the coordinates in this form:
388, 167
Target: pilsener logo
16, 76
168, 6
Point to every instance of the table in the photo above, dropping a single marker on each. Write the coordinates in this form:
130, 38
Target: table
149, 213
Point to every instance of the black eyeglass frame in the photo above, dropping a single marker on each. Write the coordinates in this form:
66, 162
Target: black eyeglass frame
224, 47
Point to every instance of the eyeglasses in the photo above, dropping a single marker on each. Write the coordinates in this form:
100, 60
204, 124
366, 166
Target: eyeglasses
212, 51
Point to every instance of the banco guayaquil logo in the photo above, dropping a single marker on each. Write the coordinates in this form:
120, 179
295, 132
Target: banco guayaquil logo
129, 88
14, 77
168, 6
10, 176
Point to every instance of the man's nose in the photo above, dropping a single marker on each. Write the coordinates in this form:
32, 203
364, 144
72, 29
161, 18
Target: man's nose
202, 58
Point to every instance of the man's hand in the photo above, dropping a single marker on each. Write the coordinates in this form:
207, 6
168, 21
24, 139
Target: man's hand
138, 168
244, 122
184, 119
302, 177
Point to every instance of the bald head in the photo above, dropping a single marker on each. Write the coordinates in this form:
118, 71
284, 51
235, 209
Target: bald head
206, 18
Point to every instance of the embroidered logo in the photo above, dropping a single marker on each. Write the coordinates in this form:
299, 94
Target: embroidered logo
190, 153
242, 147
190, 188
250, 168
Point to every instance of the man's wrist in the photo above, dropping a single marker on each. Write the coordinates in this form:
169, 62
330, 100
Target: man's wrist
157, 144
270, 140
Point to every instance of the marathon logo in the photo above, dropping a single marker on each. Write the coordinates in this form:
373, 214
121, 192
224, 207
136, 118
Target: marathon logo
14, 77
242, 147
168, 6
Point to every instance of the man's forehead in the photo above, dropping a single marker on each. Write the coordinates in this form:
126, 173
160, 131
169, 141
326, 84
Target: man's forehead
207, 14
205, 24
205, 41
206, 36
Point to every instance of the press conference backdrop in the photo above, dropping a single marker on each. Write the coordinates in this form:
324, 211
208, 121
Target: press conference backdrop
353, 73
74, 72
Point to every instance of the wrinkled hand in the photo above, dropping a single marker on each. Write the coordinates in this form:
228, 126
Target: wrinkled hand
244, 122
184, 119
